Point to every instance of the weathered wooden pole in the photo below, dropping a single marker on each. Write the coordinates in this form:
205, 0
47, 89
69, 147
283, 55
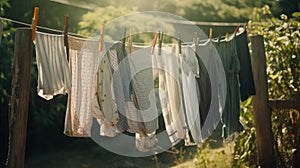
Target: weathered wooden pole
261, 109
18, 113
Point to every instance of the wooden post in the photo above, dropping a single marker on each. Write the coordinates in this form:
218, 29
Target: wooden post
19, 104
285, 104
261, 110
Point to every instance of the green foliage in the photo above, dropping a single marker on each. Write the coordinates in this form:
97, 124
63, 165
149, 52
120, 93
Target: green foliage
3, 4
217, 11
282, 47
208, 157
282, 38
6, 55
116, 19
245, 145
92, 21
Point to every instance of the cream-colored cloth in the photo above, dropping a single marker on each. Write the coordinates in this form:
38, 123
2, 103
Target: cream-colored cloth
83, 60
170, 93
105, 109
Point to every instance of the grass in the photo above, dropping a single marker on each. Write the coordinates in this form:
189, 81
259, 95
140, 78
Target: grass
85, 153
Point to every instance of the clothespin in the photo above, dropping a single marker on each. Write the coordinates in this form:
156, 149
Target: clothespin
236, 30
219, 40
246, 26
101, 38
65, 33
34, 22
160, 40
226, 40
154, 42
124, 39
196, 40
210, 36
130, 43
179, 42
65, 30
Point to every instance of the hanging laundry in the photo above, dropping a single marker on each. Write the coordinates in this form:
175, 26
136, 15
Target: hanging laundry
212, 95
191, 95
170, 94
105, 109
246, 80
53, 71
83, 60
144, 95
1, 29
204, 85
145, 142
143, 86
228, 54
121, 84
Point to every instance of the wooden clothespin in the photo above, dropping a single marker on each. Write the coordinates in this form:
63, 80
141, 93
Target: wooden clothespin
101, 38
226, 39
130, 42
246, 26
179, 43
219, 40
123, 39
236, 30
210, 36
65, 30
65, 33
154, 43
160, 40
34, 22
196, 40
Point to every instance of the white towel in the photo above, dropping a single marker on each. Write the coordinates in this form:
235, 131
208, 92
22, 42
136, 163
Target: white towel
190, 69
53, 70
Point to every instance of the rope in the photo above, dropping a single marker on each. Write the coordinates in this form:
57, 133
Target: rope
41, 27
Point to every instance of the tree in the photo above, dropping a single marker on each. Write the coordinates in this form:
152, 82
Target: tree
283, 68
6, 55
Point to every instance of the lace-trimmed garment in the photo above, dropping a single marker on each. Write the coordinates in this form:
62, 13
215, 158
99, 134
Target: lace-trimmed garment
83, 61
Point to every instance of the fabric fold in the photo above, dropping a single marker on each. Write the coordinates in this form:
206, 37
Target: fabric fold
54, 75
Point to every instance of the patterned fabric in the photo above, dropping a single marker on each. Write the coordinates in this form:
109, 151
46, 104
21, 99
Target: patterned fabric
143, 88
53, 71
116, 54
83, 60
105, 109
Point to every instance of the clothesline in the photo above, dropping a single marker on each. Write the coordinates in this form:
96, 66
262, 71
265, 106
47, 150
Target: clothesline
228, 24
179, 22
42, 27
204, 101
